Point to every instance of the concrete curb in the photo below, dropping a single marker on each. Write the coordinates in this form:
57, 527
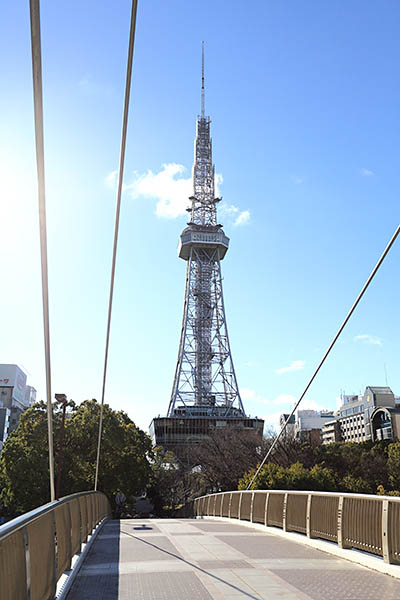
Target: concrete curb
356, 556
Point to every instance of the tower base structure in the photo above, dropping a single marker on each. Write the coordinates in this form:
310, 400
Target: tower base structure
180, 432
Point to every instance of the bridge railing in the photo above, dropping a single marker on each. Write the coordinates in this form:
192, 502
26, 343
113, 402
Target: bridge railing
37, 547
366, 522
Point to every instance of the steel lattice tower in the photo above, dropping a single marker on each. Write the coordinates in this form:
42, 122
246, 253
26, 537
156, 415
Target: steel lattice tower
205, 386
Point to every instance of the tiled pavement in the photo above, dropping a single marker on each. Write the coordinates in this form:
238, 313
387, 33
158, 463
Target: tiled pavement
163, 559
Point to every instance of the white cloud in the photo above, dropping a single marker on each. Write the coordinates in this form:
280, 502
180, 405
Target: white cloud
284, 399
250, 395
234, 212
365, 338
247, 394
111, 179
171, 189
307, 404
296, 365
243, 218
272, 421
366, 172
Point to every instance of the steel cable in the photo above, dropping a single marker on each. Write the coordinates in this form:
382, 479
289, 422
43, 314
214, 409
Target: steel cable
117, 214
360, 295
38, 111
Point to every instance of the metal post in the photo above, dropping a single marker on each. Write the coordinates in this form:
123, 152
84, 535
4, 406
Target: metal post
284, 513
27, 564
386, 541
240, 506
308, 522
266, 510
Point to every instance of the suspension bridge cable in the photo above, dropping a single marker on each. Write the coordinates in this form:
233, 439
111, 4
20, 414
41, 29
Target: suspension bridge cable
38, 111
117, 213
360, 295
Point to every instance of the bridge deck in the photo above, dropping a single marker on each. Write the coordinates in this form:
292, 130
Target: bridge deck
162, 559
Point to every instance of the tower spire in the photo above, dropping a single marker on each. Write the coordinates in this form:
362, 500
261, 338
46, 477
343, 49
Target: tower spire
202, 82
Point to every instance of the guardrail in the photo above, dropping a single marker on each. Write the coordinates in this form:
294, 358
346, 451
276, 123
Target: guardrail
366, 522
36, 548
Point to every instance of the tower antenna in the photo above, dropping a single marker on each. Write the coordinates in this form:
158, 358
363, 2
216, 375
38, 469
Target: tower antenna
202, 82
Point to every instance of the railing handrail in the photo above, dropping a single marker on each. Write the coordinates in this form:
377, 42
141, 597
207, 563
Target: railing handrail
19, 522
317, 493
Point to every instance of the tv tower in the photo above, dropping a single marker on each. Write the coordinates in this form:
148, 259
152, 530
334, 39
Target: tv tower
205, 391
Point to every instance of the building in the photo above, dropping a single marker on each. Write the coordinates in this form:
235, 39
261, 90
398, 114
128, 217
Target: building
309, 424
4, 423
30, 396
290, 427
373, 415
13, 393
205, 395
331, 432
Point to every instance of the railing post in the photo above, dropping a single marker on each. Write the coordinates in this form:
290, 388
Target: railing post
340, 520
230, 504
386, 542
266, 510
251, 507
240, 505
308, 519
27, 564
284, 520
70, 535
55, 548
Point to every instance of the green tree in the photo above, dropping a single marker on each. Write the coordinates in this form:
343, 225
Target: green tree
24, 469
323, 479
271, 477
125, 461
356, 485
393, 464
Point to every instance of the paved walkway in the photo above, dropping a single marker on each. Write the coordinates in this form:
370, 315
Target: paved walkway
162, 559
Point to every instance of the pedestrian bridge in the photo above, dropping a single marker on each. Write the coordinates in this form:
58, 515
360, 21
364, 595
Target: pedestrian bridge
215, 556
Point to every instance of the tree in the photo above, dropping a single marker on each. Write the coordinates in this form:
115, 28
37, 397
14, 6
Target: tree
226, 455
124, 462
394, 465
323, 479
356, 485
173, 483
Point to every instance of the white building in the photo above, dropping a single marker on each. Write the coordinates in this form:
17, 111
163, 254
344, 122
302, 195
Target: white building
4, 424
309, 424
13, 393
30, 396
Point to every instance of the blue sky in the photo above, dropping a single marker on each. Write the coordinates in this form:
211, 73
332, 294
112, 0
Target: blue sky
304, 101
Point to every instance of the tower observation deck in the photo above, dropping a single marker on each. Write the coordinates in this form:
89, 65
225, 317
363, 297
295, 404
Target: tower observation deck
205, 393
